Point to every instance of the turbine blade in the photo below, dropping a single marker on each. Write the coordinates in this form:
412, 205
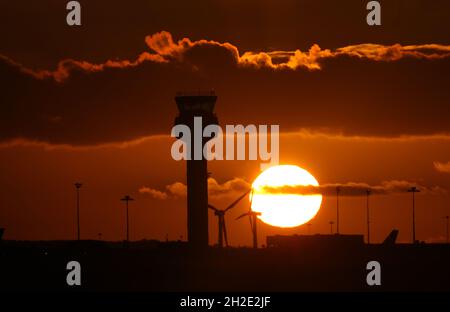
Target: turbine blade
250, 211
212, 207
237, 201
243, 215
251, 201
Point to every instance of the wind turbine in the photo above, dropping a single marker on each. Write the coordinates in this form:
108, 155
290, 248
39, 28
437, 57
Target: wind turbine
253, 216
221, 218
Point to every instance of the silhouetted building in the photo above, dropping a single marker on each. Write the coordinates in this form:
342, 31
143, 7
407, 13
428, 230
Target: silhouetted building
190, 106
317, 240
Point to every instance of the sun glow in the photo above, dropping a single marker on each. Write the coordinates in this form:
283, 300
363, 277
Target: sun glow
281, 209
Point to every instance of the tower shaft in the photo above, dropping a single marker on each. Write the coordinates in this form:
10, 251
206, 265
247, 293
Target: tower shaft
197, 202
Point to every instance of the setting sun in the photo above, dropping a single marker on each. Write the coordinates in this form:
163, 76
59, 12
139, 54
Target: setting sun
283, 209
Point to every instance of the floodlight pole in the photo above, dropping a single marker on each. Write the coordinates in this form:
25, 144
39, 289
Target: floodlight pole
337, 209
78, 186
413, 190
126, 199
446, 228
368, 216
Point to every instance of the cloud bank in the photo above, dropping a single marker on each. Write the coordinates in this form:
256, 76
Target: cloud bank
354, 189
442, 167
80, 103
215, 189
238, 185
166, 49
153, 193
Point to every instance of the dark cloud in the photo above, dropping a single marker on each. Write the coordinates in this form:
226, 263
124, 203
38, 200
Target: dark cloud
353, 189
165, 49
91, 108
366, 89
238, 185
36, 33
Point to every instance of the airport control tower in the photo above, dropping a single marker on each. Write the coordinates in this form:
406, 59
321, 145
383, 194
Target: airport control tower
192, 105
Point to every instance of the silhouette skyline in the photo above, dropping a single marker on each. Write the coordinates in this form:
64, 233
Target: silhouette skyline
131, 156
90, 121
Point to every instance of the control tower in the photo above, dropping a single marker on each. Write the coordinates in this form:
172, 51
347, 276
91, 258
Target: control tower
192, 105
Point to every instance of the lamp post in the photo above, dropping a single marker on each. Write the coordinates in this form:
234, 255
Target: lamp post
413, 190
126, 199
368, 216
78, 186
337, 209
446, 228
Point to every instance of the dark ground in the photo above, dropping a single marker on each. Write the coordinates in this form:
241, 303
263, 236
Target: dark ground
154, 266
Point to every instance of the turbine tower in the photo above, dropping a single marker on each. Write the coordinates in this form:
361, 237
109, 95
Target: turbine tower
368, 192
78, 186
126, 199
190, 106
253, 216
413, 190
338, 190
221, 219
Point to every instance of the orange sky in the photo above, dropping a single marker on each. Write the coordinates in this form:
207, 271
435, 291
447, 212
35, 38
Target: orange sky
45, 207
361, 104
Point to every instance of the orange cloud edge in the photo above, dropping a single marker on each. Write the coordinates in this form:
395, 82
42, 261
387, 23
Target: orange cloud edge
165, 49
